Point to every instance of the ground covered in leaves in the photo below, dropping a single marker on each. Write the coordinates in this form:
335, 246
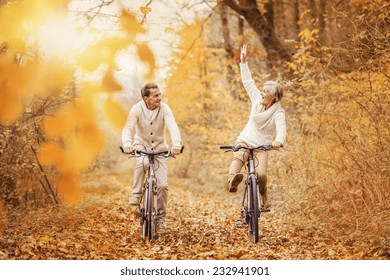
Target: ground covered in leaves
201, 224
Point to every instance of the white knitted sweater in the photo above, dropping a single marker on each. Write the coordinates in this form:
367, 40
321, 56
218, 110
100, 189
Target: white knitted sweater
262, 124
142, 132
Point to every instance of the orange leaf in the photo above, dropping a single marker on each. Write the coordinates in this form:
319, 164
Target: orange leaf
110, 84
130, 25
60, 125
114, 113
68, 187
84, 146
51, 153
146, 55
145, 10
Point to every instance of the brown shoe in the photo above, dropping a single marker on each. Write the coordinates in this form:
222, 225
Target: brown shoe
266, 204
233, 184
134, 201
161, 227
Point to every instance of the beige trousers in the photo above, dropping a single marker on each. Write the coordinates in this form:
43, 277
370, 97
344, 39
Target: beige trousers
261, 164
161, 173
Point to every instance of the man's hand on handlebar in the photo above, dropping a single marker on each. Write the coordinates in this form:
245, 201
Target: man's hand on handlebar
128, 150
175, 151
276, 145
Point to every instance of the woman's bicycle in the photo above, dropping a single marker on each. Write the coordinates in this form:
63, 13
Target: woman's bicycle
251, 202
148, 205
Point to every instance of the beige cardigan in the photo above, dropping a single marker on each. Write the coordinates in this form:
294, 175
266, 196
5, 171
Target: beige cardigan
144, 133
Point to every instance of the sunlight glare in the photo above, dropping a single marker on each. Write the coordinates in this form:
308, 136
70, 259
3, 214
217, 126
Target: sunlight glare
61, 38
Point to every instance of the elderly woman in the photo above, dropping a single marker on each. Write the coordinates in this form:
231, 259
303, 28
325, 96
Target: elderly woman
266, 119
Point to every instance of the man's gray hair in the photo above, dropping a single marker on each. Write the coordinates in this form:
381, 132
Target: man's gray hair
145, 91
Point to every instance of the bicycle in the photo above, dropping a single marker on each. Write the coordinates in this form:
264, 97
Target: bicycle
148, 204
252, 201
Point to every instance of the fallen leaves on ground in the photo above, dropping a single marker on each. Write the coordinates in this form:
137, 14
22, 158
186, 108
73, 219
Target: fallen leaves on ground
203, 222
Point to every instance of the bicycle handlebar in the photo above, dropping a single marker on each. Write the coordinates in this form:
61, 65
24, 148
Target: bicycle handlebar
164, 153
237, 148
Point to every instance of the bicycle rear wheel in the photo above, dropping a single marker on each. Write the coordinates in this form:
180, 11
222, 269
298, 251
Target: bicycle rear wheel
254, 210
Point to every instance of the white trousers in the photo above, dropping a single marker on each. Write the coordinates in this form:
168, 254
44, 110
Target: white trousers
161, 173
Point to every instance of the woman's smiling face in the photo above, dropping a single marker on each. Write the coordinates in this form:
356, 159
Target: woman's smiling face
267, 97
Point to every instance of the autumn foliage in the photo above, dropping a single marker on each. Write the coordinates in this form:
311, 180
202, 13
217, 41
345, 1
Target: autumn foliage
329, 185
48, 110
333, 173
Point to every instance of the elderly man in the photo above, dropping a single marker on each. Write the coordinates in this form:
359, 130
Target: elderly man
145, 131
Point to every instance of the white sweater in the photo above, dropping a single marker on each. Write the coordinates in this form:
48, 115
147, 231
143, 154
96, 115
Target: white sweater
142, 132
262, 124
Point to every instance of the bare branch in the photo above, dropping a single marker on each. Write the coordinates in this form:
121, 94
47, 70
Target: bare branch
200, 34
144, 17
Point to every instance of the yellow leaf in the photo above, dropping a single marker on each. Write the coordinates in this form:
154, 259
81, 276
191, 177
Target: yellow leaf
130, 25
10, 105
83, 146
114, 113
145, 10
85, 107
54, 76
146, 55
102, 52
109, 82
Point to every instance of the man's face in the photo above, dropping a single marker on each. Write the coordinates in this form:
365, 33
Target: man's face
154, 99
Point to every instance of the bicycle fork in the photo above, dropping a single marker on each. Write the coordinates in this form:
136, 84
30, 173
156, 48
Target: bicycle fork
145, 199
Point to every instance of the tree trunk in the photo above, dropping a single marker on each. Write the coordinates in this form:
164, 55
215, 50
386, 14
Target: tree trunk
263, 26
225, 30
241, 27
321, 20
227, 45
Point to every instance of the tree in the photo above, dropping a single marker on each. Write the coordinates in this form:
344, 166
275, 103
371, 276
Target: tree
261, 20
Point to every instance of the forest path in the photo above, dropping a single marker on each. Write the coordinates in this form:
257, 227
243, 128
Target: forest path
201, 224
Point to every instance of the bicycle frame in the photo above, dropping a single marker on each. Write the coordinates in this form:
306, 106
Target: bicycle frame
148, 210
251, 202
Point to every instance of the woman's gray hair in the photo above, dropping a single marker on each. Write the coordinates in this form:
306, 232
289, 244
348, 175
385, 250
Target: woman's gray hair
275, 89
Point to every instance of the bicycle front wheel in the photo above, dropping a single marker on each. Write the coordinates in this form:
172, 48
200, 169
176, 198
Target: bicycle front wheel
254, 210
151, 212
144, 212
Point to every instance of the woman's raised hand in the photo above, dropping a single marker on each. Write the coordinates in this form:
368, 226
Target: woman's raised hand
243, 53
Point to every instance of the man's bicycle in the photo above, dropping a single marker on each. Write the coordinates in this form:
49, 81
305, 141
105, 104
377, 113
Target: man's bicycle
251, 202
148, 205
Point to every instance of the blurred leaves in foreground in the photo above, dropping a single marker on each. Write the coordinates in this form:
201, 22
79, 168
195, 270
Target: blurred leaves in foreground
48, 109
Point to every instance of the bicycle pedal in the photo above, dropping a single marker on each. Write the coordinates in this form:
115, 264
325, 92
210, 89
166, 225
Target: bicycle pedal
265, 210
